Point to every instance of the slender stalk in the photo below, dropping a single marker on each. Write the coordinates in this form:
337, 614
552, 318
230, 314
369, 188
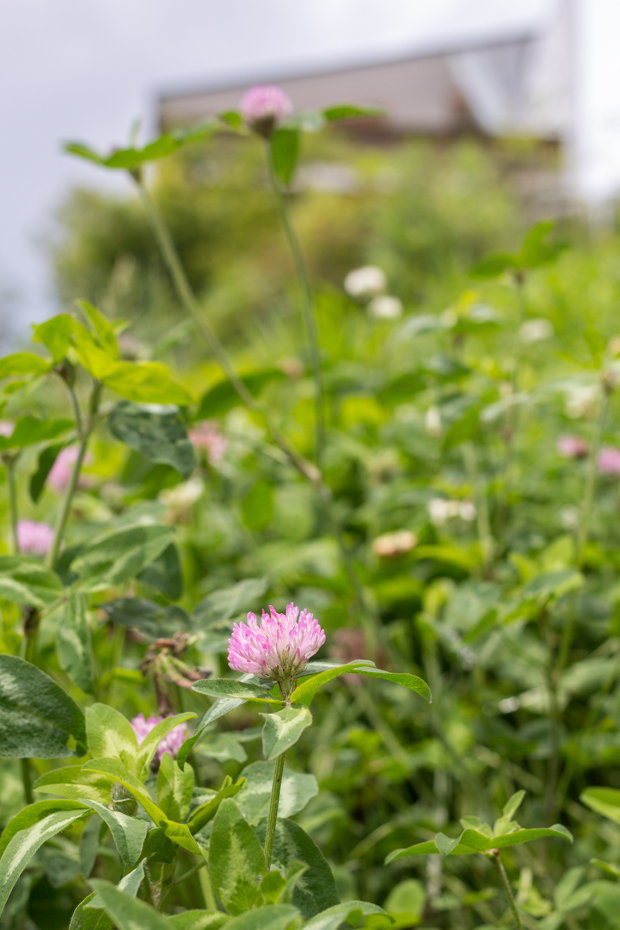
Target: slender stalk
272, 817
10, 472
65, 509
483, 522
501, 871
207, 890
308, 306
189, 872
27, 780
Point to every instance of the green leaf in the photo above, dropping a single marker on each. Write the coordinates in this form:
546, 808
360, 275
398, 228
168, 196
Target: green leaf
145, 383
23, 845
284, 153
605, 801
156, 432
257, 505
174, 788
73, 782
55, 334
28, 431
526, 836
224, 746
87, 918
73, 644
89, 844
254, 798
233, 688
222, 706
308, 688
197, 920
92, 356
130, 158
207, 811
222, 397
348, 111
103, 329
117, 556
128, 833
82, 151
130, 883
119, 772
24, 580
37, 718
316, 889
127, 912
216, 612
335, 916
283, 729
152, 620
44, 466
110, 735
151, 741
271, 917
33, 814
23, 363
471, 841
164, 574
236, 860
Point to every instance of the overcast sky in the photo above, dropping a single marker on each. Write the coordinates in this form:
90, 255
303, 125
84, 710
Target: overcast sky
85, 69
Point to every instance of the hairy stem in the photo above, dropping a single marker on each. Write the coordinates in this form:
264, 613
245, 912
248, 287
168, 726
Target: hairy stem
501, 871
308, 306
65, 509
272, 817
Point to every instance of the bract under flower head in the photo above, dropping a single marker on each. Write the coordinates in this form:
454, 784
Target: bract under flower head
279, 648
263, 107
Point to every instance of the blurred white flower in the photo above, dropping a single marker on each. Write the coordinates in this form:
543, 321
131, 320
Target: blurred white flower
390, 545
385, 307
570, 518
432, 421
364, 283
442, 510
467, 511
581, 400
180, 499
535, 331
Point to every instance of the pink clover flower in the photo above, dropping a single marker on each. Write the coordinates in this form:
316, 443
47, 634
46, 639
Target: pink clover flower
279, 648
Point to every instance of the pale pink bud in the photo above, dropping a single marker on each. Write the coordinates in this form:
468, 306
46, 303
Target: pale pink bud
609, 461
170, 743
572, 447
263, 107
6, 428
277, 649
207, 435
34, 538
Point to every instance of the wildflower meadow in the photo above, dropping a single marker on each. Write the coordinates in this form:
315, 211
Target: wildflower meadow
308, 573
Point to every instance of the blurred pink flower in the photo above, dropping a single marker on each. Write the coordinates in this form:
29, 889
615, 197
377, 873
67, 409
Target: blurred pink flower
34, 538
263, 107
171, 743
207, 435
572, 447
6, 428
609, 461
279, 648
60, 474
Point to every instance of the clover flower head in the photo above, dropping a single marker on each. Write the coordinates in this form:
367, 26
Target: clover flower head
385, 307
6, 428
264, 106
171, 743
572, 447
207, 435
34, 538
364, 283
609, 461
62, 469
279, 648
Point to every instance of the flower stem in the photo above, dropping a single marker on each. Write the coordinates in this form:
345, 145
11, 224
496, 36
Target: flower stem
272, 817
308, 306
26, 780
501, 871
10, 472
63, 516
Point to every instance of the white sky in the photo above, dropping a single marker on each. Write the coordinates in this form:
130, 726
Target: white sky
85, 69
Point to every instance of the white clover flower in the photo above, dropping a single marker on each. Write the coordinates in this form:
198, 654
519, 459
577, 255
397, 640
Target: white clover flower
432, 421
385, 307
184, 495
442, 510
570, 518
364, 283
535, 331
581, 400
467, 511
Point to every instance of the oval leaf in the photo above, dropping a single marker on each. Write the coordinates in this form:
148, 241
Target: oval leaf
283, 729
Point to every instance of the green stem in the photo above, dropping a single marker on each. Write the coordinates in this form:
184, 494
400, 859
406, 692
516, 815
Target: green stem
483, 522
308, 306
272, 817
26, 780
501, 871
207, 890
189, 872
10, 471
65, 509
